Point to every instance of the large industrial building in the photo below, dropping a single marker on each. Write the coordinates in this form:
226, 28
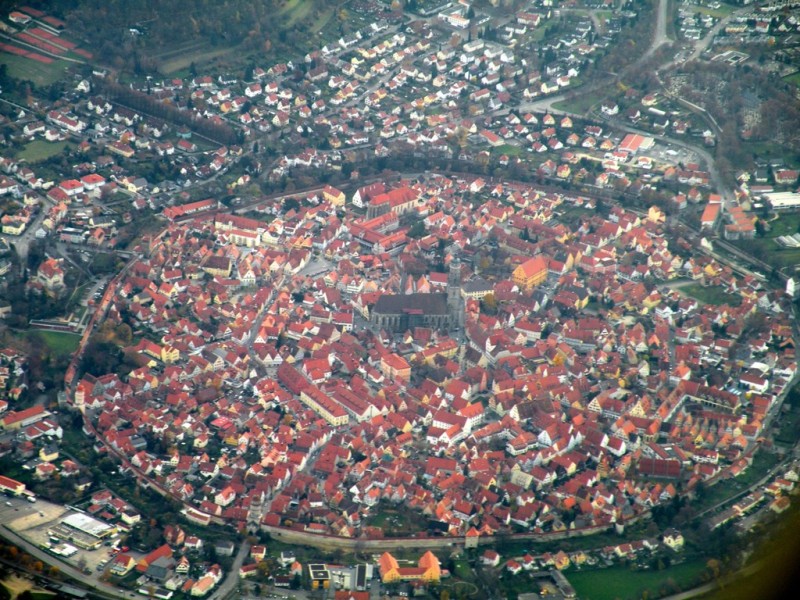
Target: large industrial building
83, 530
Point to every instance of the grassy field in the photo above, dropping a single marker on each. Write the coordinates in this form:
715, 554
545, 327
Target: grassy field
790, 419
771, 253
39, 73
762, 462
723, 11
60, 343
785, 224
623, 584
710, 295
39, 150
769, 250
173, 65
294, 10
509, 150
396, 521
581, 103
794, 78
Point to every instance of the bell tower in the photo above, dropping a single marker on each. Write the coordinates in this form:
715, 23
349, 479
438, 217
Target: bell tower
455, 303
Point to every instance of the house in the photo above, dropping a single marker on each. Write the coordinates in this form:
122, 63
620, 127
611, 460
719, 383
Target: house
395, 367
224, 548
333, 195
673, 539
490, 558
51, 275
144, 563
122, 565
11, 486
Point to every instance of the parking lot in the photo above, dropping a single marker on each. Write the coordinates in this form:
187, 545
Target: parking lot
20, 515
32, 521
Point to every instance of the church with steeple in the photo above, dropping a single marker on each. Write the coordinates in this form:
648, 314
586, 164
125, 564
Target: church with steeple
397, 313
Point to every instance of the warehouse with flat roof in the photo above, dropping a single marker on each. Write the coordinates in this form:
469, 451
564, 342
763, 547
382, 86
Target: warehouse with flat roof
89, 526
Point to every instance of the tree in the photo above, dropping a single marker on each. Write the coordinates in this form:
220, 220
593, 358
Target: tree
417, 230
263, 569
489, 304
296, 582
290, 204
484, 264
100, 357
124, 334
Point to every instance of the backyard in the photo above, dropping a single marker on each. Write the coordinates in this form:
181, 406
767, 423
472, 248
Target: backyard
710, 295
789, 422
763, 461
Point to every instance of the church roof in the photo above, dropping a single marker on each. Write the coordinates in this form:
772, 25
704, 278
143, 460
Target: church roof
396, 304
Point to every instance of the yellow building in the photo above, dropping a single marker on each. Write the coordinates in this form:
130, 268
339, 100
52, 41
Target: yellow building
530, 273
395, 367
324, 406
333, 195
14, 227
428, 569
218, 266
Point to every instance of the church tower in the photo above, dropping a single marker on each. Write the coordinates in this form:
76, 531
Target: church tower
455, 302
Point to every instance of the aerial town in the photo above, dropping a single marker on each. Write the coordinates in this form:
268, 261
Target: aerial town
470, 299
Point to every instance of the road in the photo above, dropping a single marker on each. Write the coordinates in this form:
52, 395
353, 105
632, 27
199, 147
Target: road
231, 580
702, 45
660, 36
23, 242
708, 159
90, 581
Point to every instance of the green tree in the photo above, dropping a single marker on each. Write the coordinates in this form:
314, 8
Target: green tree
100, 357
